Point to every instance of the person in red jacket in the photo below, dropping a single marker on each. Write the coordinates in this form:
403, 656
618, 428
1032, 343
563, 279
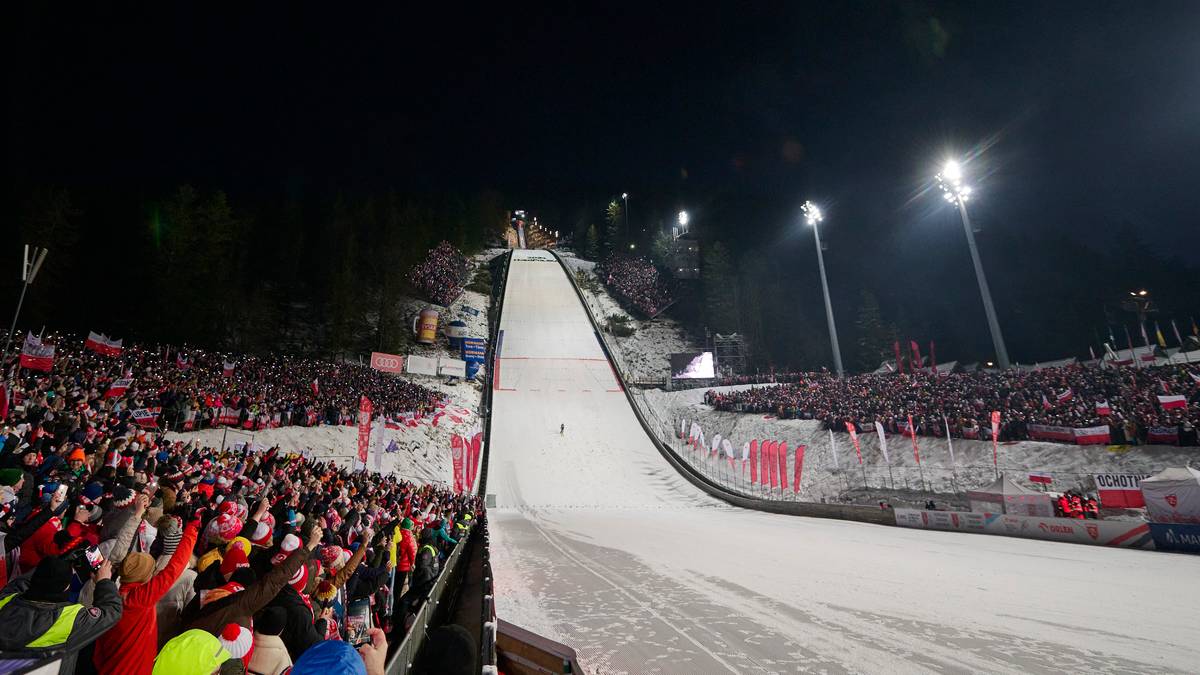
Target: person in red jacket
406, 556
129, 647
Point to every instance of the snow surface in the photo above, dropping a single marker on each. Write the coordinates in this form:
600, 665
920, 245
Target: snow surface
598, 543
645, 354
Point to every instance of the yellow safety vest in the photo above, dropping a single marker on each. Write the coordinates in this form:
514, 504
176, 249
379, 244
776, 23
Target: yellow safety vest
59, 631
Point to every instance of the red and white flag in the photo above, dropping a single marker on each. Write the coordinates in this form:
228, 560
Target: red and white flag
1172, 402
456, 461
227, 368
798, 469
145, 418
1040, 477
102, 344
854, 438
473, 453
913, 436
1103, 409
1066, 396
995, 439
1045, 403
754, 462
1195, 377
37, 355
118, 388
182, 362
364, 429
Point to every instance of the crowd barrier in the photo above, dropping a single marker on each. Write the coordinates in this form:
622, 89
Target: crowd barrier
436, 607
1176, 537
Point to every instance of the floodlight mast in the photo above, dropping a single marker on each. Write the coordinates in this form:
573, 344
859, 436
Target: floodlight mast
813, 218
955, 191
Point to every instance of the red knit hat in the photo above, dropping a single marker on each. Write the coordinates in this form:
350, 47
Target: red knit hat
224, 527
234, 558
300, 579
289, 544
237, 640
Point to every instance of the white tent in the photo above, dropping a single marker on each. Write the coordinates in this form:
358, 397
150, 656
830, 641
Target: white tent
1005, 496
1173, 496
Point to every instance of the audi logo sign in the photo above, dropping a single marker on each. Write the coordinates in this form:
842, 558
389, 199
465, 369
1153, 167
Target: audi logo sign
388, 363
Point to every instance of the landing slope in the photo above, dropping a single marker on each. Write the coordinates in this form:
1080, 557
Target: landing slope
599, 543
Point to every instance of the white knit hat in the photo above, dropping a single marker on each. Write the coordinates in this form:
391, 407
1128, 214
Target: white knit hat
236, 640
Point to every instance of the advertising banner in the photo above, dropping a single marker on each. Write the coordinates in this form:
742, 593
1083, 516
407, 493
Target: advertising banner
420, 365
1162, 435
387, 363
1095, 532
1176, 537
456, 458
452, 367
1121, 490
1042, 432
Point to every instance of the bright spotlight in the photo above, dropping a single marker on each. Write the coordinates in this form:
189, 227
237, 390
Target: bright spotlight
812, 214
683, 217
952, 171
624, 195
950, 180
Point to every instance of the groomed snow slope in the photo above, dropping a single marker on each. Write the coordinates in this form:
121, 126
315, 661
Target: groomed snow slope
599, 543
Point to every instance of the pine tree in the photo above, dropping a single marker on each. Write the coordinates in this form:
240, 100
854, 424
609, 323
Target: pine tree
717, 278
592, 246
873, 343
612, 230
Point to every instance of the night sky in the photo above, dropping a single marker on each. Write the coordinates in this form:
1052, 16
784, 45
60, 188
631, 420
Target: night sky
1077, 116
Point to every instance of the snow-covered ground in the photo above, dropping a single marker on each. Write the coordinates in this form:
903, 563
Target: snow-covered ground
598, 543
643, 355
424, 451
1071, 466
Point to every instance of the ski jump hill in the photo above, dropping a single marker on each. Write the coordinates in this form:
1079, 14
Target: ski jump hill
600, 542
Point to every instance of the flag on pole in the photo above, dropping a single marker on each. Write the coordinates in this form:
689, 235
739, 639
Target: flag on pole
145, 418
1102, 408
854, 439
364, 429
37, 355
899, 363
1045, 402
995, 439
782, 456
456, 461
1092, 352
833, 449
916, 452
1066, 396
1175, 329
754, 462
949, 441
316, 387
798, 468
1145, 338
227, 368
916, 356
882, 442
932, 359
1162, 342
118, 388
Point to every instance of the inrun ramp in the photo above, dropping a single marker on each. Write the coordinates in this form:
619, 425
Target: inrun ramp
599, 543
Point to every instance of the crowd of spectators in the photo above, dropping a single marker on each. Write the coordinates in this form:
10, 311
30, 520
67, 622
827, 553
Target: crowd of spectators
1060, 397
191, 387
228, 561
636, 282
440, 277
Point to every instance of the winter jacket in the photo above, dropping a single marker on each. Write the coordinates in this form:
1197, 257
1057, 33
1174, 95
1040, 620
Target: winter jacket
300, 630
24, 621
425, 572
170, 607
270, 656
39, 545
407, 550
240, 607
128, 648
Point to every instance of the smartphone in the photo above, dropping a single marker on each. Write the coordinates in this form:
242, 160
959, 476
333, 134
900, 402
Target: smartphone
94, 557
358, 622
61, 492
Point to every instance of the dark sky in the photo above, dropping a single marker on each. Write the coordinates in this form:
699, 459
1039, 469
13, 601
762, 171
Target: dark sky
1079, 115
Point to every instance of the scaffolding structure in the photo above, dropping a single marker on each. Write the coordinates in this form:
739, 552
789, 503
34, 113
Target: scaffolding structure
729, 354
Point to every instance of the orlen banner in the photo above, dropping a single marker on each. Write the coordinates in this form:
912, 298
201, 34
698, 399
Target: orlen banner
1096, 532
1121, 490
388, 363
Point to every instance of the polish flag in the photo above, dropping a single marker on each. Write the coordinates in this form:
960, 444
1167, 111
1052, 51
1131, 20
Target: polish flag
1103, 409
1045, 403
227, 368
37, 355
316, 387
854, 437
102, 344
145, 418
1066, 396
117, 388
1195, 377
1172, 402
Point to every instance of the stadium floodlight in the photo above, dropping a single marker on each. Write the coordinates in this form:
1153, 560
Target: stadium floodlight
957, 192
813, 218
30, 265
683, 218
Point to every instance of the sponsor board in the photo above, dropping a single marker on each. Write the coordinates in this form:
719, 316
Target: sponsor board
452, 367
421, 365
1094, 532
388, 363
1176, 537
